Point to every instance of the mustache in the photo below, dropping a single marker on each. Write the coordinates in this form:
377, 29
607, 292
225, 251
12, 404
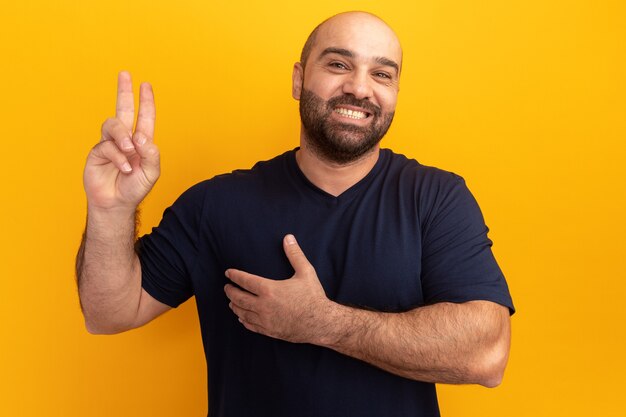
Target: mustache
353, 101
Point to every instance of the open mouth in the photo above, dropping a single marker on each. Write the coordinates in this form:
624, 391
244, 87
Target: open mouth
352, 114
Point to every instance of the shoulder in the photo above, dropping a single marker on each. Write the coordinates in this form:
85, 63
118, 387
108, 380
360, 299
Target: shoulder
240, 180
432, 190
423, 177
261, 172
241, 187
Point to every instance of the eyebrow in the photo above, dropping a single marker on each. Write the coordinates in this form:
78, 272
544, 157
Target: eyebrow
349, 54
388, 62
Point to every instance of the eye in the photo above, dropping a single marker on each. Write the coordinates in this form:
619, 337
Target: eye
338, 65
383, 75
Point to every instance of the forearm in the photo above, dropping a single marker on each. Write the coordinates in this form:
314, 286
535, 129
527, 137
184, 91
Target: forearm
444, 343
108, 271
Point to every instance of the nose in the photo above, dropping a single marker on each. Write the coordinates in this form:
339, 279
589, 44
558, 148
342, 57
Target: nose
358, 84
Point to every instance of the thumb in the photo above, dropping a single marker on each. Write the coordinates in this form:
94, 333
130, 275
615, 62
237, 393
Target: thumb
296, 257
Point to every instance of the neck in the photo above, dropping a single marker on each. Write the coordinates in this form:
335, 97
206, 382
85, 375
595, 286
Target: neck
332, 177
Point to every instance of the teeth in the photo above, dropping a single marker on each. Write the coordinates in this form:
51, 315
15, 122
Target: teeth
352, 114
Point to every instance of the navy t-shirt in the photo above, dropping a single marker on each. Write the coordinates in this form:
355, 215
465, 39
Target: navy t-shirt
404, 236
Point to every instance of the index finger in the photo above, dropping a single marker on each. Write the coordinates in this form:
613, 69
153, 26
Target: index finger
147, 111
125, 105
249, 282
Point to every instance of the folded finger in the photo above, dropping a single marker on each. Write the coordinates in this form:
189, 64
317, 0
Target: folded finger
109, 152
114, 130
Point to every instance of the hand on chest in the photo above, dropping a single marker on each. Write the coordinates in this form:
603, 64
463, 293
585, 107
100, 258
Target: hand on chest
362, 259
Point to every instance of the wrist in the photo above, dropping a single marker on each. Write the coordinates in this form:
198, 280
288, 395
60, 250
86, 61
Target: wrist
113, 213
111, 221
335, 324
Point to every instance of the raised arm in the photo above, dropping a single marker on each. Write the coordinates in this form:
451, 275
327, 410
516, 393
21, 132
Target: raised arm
444, 342
120, 171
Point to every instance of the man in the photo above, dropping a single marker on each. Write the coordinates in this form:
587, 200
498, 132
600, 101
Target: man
389, 287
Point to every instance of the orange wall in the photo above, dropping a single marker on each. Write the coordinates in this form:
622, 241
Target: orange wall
525, 99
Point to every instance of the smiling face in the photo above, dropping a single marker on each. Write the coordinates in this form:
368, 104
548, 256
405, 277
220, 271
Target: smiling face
348, 90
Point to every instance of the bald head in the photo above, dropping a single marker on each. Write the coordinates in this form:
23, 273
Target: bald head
355, 23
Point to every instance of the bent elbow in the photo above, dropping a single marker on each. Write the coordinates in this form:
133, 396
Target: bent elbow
495, 355
492, 380
94, 329
99, 322
490, 372
97, 327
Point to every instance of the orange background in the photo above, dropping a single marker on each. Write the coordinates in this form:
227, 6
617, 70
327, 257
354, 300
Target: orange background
525, 99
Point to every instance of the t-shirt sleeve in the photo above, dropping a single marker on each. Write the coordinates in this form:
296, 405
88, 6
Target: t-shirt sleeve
458, 264
168, 254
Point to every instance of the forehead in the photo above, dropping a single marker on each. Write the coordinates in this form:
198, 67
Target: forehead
366, 36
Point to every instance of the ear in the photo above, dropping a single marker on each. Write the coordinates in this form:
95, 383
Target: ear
297, 79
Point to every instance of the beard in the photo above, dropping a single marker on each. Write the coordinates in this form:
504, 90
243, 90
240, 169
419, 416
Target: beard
334, 140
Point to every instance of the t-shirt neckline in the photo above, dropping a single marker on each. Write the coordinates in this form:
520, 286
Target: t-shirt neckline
347, 194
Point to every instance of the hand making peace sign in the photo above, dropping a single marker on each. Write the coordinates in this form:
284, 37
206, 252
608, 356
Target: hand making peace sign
122, 169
